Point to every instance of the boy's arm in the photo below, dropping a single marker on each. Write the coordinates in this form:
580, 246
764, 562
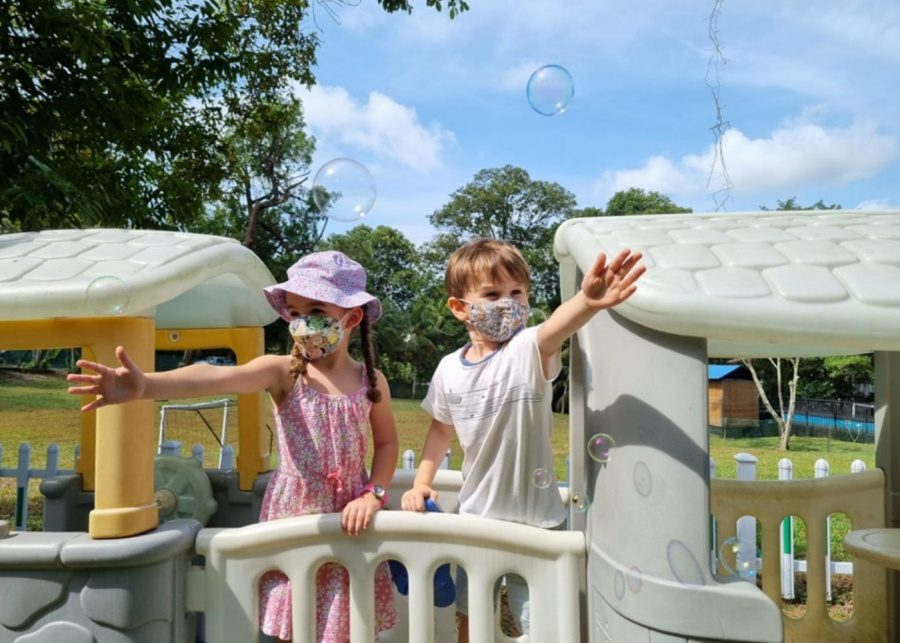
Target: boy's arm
436, 443
604, 286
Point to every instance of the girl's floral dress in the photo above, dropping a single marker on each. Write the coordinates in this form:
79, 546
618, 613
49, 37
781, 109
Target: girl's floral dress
322, 442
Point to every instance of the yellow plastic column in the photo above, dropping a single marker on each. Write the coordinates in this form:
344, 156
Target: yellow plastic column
124, 504
116, 456
247, 343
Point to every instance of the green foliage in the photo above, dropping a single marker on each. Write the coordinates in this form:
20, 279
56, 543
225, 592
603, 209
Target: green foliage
791, 204
454, 7
638, 201
506, 203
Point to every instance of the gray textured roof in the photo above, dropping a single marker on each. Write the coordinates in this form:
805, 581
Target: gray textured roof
761, 283
183, 280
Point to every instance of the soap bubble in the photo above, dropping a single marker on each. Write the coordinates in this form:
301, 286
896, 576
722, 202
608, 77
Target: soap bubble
600, 447
634, 579
550, 90
683, 564
643, 480
536, 317
735, 561
619, 584
579, 502
107, 295
541, 478
344, 190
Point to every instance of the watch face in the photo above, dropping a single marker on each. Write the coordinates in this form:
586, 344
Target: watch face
378, 491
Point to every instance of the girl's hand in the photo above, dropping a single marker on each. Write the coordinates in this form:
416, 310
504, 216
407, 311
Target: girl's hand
111, 385
605, 285
414, 499
357, 514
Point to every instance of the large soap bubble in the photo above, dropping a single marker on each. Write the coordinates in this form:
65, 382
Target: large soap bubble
344, 190
107, 295
550, 90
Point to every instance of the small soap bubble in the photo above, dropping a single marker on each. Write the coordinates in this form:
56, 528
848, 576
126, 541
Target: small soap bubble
735, 561
536, 317
634, 579
600, 447
343, 190
550, 90
683, 564
541, 478
643, 480
619, 584
579, 502
107, 295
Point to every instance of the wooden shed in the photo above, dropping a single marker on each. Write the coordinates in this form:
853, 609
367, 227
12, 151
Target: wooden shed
733, 398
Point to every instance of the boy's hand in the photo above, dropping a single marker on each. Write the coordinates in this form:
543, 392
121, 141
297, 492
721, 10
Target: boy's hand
358, 513
112, 385
605, 285
414, 499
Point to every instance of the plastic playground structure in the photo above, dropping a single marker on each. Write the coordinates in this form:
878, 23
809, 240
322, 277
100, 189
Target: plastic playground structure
634, 564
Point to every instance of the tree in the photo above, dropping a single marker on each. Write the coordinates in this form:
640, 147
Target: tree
791, 204
784, 416
638, 201
115, 113
505, 203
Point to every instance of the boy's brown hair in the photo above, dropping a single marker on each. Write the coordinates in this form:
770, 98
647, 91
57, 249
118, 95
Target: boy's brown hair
482, 257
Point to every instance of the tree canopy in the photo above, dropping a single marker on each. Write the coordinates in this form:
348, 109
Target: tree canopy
638, 201
116, 113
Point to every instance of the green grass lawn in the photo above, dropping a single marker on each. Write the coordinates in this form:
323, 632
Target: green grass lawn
36, 409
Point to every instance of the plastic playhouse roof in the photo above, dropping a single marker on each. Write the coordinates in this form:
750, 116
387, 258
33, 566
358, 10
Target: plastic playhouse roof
761, 283
183, 280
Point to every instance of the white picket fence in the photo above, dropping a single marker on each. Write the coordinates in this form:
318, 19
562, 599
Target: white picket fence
23, 472
746, 529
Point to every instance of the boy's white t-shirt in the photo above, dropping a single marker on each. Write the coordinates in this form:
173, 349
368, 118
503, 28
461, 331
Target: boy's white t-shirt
500, 408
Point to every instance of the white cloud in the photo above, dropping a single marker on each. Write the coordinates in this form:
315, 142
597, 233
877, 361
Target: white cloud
877, 204
792, 156
380, 125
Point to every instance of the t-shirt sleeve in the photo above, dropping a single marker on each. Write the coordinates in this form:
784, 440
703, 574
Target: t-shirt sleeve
529, 337
435, 402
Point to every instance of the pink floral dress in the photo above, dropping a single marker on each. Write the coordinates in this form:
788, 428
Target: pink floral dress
322, 442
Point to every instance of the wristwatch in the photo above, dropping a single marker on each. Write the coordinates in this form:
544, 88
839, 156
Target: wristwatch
378, 491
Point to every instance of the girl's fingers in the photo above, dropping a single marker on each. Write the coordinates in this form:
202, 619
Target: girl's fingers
83, 390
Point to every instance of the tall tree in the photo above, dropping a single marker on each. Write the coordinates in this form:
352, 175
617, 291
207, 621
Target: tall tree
786, 374
506, 203
638, 201
114, 113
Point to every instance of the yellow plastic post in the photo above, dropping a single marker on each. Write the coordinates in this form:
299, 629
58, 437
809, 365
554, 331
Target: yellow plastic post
123, 445
247, 343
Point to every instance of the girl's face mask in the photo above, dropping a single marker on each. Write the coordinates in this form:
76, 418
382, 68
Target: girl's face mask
497, 320
317, 335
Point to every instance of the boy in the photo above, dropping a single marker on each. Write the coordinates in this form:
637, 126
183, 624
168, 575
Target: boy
495, 391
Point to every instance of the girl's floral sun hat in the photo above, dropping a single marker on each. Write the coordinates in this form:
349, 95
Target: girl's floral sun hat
329, 276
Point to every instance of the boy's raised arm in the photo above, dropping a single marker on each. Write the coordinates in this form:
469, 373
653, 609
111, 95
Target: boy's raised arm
604, 286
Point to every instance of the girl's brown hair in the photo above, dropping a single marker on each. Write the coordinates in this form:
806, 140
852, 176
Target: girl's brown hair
483, 257
370, 359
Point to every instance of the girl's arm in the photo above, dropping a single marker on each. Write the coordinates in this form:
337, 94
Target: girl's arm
127, 382
357, 514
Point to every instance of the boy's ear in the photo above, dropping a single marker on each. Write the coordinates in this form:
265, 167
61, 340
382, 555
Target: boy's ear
459, 308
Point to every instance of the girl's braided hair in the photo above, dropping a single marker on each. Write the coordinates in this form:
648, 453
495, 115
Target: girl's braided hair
298, 362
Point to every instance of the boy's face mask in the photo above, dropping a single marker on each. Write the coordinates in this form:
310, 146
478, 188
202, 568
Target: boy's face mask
497, 320
317, 335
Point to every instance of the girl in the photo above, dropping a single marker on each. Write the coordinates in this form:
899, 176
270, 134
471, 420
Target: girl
324, 401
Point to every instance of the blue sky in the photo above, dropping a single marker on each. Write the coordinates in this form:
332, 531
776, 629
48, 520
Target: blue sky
810, 90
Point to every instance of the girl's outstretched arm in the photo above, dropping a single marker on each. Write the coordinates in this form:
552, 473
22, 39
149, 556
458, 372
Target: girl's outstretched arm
126, 382
358, 513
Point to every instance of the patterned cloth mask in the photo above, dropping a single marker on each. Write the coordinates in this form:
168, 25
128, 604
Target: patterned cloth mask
317, 335
497, 320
